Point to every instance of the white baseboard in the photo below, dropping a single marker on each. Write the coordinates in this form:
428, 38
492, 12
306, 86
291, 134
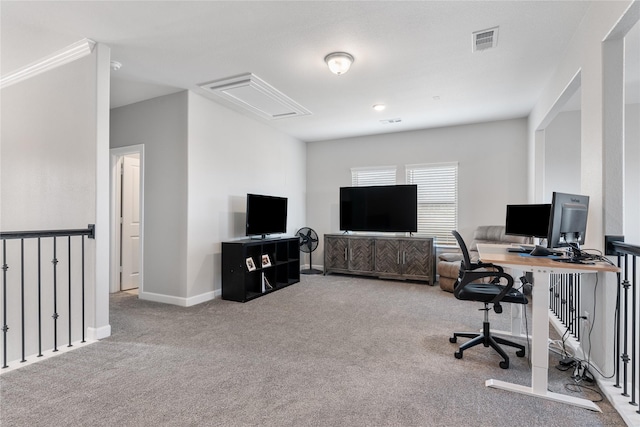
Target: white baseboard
180, 301
99, 333
47, 354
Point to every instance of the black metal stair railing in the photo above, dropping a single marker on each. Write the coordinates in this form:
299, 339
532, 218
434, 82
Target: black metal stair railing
564, 301
31, 264
626, 333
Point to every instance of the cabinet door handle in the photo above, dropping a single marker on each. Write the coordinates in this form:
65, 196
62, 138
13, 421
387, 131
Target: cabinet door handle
398, 260
350, 254
404, 257
345, 254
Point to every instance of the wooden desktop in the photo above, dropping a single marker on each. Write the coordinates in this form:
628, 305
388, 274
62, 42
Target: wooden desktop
541, 267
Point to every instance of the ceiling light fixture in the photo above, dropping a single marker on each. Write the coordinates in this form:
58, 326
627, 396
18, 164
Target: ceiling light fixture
115, 65
379, 107
339, 62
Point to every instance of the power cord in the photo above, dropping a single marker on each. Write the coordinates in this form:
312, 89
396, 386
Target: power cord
524, 283
581, 367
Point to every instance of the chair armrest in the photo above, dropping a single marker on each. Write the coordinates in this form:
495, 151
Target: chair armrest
486, 265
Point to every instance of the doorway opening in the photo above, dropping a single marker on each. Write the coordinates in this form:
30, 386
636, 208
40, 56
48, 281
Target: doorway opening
127, 213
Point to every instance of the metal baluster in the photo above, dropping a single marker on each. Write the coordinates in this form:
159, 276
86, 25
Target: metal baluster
634, 359
625, 355
55, 297
39, 301
578, 309
5, 327
22, 300
82, 237
616, 350
69, 293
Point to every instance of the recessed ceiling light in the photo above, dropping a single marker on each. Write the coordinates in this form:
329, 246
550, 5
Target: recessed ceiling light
379, 107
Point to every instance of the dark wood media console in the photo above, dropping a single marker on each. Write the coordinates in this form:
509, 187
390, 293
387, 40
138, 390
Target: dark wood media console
407, 258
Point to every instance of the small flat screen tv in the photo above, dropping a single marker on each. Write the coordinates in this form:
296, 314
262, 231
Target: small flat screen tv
266, 215
528, 220
384, 208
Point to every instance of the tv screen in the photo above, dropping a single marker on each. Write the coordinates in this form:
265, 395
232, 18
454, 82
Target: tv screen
528, 220
266, 215
386, 208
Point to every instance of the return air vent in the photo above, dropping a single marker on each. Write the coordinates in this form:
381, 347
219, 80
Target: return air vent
254, 94
485, 39
390, 121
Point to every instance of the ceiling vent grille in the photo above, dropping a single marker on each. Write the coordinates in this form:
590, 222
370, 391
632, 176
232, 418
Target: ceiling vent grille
254, 94
485, 39
390, 121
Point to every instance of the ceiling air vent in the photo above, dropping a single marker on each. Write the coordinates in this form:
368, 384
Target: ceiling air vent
390, 121
485, 39
254, 94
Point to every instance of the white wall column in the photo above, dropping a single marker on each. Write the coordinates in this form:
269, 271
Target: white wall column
99, 325
613, 135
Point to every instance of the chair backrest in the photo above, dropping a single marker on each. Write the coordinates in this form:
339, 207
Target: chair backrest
463, 248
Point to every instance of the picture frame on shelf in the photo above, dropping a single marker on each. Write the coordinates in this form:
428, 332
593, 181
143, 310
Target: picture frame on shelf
251, 266
266, 261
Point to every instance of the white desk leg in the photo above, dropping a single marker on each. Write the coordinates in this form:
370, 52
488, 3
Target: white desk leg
540, 351
540, 332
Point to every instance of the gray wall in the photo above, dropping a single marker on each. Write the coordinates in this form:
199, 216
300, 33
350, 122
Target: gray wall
161, 125
48, 182
562, 155
231, 155
201, 159
491, 158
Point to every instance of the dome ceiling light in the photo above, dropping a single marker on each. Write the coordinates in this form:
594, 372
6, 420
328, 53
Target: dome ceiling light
339, 62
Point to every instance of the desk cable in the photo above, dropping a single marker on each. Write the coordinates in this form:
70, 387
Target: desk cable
582, 372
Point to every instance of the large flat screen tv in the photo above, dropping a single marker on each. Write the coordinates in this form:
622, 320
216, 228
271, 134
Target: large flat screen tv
266, 215
385, 208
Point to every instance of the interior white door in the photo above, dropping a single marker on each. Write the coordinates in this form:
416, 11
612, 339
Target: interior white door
130, 241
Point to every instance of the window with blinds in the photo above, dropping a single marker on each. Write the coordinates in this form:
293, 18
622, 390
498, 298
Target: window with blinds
437, 200
363, 177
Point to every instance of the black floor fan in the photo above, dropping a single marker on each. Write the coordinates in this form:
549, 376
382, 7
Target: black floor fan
308, 243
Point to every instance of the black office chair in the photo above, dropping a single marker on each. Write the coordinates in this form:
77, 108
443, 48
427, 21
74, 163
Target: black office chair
470, 288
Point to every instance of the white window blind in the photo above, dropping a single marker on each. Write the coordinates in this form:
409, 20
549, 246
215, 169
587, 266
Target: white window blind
437, 200
362, 177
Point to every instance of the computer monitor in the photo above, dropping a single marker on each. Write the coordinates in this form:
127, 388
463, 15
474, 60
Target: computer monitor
568, 222
528, 220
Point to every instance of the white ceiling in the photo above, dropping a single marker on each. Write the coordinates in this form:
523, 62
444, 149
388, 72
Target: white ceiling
406, 54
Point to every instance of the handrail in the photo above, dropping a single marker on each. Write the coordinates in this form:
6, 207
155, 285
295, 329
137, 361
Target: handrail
19, 282
623, 248
89, 232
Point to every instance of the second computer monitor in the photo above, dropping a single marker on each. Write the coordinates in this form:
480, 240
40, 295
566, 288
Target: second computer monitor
528, 220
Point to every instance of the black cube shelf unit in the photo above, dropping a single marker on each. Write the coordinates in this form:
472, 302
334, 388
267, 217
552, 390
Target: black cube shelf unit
242, 283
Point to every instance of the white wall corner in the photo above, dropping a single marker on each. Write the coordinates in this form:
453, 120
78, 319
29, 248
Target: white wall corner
101, 294
98, 333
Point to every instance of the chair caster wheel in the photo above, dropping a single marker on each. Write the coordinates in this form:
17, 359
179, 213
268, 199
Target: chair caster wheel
520, 353
458, 354
453, 339
504, 364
